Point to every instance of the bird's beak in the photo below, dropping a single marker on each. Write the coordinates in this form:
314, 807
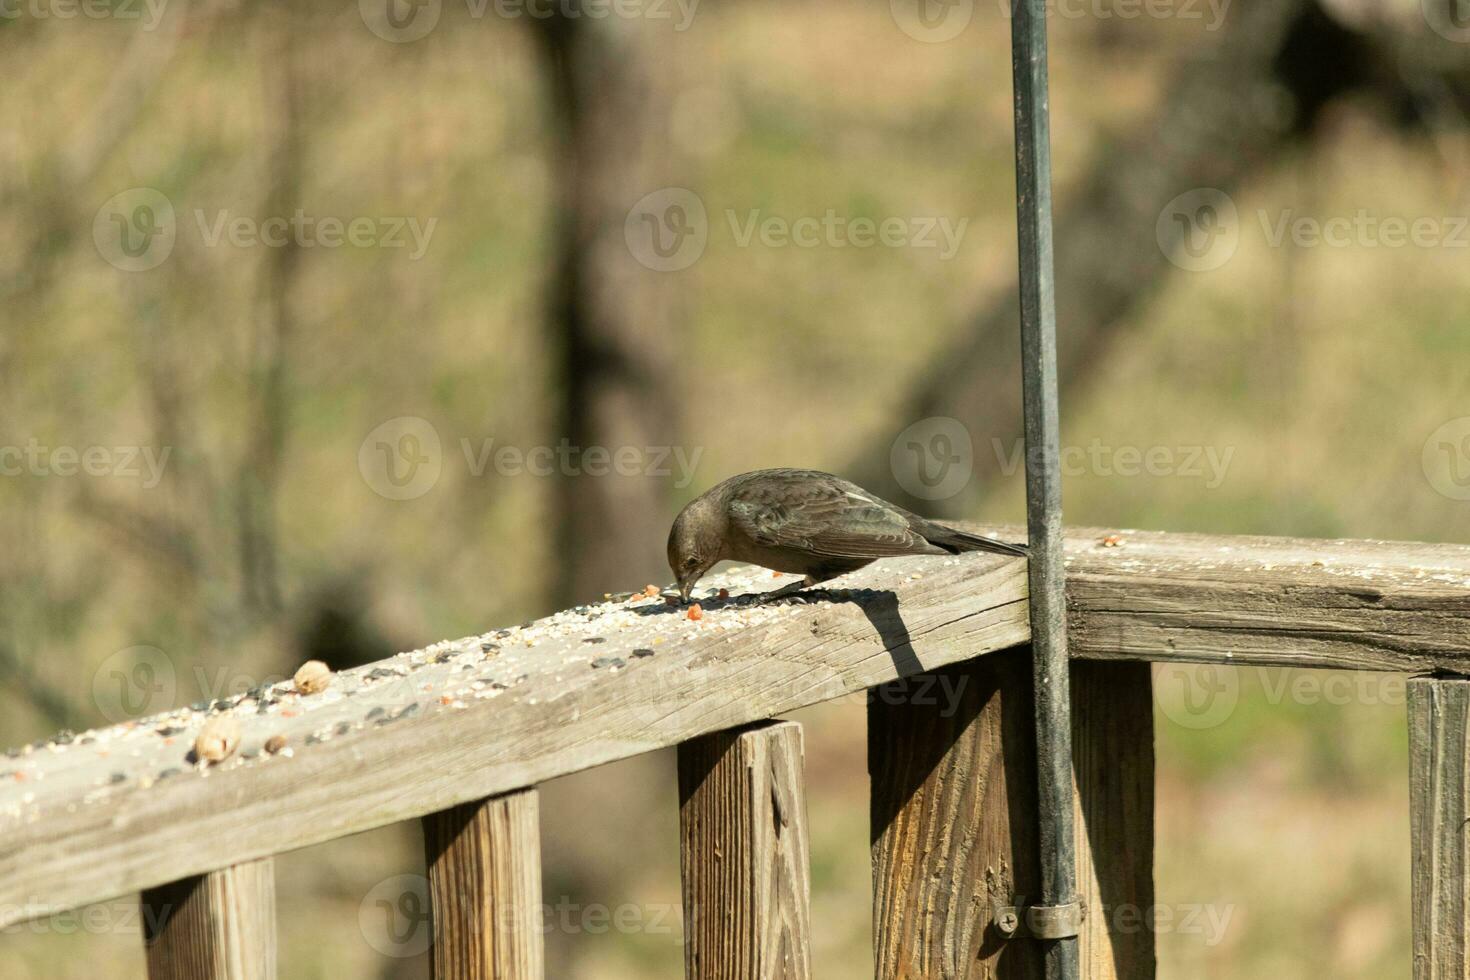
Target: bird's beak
684, 589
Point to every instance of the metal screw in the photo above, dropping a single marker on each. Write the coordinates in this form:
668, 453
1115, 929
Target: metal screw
1007, 922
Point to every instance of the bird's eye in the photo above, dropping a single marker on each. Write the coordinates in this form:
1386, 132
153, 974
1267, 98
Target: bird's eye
691, 561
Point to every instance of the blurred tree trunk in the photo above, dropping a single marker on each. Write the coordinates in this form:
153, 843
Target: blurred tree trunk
1231, 112
258, 474
610, 317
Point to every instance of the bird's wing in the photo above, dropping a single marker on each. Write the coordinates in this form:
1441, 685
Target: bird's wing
823, 515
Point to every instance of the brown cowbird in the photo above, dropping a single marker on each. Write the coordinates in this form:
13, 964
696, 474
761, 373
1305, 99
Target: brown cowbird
808, 522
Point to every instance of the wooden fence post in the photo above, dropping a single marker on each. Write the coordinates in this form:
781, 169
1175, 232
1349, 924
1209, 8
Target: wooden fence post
485, 889
744, 854
215, 926
1439, 813
1113, 761
951, 756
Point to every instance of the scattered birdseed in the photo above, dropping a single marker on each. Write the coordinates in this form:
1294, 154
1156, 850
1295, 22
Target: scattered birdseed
695, 612
643, 652
312, 677
650, 590
218, 739
601, 662
275, 743
594, 639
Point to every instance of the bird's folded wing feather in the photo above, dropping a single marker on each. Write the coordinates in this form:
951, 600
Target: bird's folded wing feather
825, 519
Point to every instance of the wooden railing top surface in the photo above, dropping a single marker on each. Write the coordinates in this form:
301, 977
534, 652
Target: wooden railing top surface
119, 809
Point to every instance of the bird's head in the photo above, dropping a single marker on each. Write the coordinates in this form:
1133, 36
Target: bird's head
695, 543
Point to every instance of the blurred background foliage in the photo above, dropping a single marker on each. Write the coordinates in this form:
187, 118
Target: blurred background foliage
1322, 370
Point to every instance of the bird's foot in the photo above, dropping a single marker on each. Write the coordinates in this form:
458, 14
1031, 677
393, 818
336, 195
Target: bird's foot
785, 592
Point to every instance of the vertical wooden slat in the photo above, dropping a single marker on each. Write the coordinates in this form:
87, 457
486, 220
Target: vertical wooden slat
952, 766
744, 854
1439, 755
485, 889
951, 756
1113, 760
216, 926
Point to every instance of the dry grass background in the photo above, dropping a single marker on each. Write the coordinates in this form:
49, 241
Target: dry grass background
1324, 370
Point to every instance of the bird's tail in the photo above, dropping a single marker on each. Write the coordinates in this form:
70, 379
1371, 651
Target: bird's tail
956, 541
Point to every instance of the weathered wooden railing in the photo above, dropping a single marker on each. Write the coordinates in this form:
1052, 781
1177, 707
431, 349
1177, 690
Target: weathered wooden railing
459, 735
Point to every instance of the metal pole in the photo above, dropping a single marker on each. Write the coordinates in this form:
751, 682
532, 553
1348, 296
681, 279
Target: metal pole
1058, 918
